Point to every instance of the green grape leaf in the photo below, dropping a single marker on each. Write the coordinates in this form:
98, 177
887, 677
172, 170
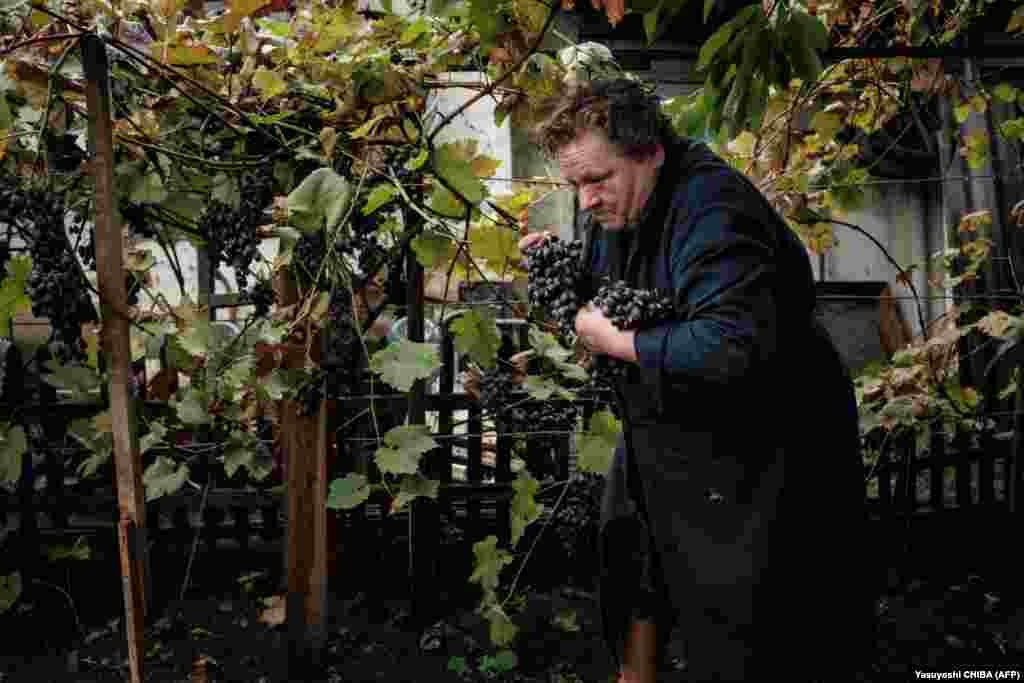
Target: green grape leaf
417, 162
381, 195
525, 508
547, 345
721, 37
489, 561
321, 198
476, 335
10, 590
247, 455
12, 449
433, 250
573, 371
403, 363
502, 632
1012, 129
543, 388
403, 447
277, 384
239, 375
79, 551
14, 300
815, 32
595, 448
194, 339
348, 492
156, 434
453, 161
458, 666
488, 23
708, 6
1005, 93
268, 83
148, 188
192, 409
77, 379
164, 477
412, 487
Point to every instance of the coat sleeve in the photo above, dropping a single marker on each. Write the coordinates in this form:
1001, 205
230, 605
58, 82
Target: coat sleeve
723, 275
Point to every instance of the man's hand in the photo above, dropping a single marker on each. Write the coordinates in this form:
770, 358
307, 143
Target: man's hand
600, 336
532, 240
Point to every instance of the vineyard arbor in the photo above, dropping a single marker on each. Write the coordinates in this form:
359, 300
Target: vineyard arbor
315, 157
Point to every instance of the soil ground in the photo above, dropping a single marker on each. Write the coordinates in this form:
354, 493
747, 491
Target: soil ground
925, 624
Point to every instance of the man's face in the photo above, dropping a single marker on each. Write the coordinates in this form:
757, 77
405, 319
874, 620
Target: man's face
612, 187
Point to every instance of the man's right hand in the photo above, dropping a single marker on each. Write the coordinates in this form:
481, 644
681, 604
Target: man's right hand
532, 240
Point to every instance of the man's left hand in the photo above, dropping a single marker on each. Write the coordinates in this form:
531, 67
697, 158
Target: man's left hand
600, 336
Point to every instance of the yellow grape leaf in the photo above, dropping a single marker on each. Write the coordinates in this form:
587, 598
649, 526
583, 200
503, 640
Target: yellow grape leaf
183, 55
268, 83
328, 141
998, 324
826, 124
974, 220
238, 10
496, 243
365, 129
485, 166
976, 148
743, 144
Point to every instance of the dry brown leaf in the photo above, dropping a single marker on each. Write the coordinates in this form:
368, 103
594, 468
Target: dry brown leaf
273, 613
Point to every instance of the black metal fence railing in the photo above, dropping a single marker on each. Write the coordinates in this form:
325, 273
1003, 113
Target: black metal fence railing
475, 463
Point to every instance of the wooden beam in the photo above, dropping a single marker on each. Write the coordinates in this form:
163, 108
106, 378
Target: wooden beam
305, 439
115, 345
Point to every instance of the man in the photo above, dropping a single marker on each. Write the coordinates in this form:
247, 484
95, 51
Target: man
734, 505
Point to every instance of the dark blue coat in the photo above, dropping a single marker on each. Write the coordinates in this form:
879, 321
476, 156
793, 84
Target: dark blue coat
740, 452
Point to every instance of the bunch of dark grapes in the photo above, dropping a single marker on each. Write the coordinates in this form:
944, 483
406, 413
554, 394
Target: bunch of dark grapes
308, 255
513, 409
261, 297
628, 309
555, 271
339, 344
56, 285
134, 216
231, 232
577, 518
5, 255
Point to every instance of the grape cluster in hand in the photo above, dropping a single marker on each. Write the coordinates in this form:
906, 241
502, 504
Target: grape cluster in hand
513, 409
555, 271
627, 308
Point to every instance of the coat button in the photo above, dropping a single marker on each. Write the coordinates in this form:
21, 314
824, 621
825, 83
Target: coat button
713, 496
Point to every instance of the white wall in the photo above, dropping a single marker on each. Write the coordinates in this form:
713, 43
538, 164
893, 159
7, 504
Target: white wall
904, 218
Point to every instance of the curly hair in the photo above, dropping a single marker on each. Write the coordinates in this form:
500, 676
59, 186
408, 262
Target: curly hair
627, 112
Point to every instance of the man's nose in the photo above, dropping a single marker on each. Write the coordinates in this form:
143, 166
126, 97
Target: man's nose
588, 197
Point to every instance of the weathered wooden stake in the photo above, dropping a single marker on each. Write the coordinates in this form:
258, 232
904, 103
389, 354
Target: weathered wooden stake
306, 442
113, 304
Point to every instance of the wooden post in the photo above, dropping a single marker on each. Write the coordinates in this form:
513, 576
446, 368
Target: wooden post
423, 512
113, 304
305, 439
